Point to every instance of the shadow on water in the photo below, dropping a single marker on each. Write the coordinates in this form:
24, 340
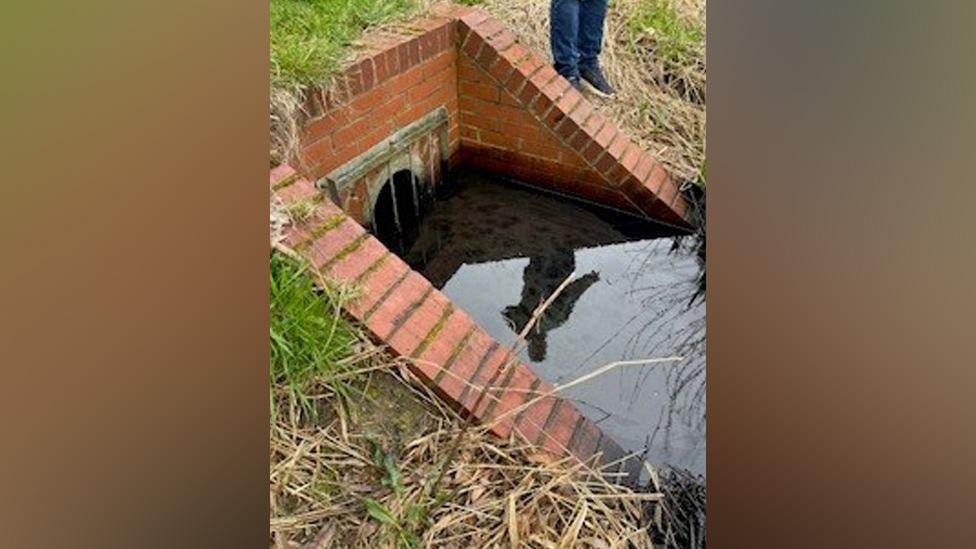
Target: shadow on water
499, 249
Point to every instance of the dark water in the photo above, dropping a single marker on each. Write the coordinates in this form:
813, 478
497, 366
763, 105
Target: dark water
498, 250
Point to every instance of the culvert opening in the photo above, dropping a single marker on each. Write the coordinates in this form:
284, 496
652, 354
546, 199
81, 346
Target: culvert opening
397, 214
498, 248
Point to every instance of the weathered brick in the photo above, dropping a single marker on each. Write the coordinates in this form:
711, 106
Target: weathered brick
496, 139
502, 41
488, 28
541, 78
323, 249
416, 327
411, 289
619, 145
541, 150
592, 151
559, 427
581, 113
606, 135
320, 150
667, 191
481, 359
578, 142
301, 189
519, 130
473, 19
532, 419
413, 51
594, 124
630, 157
656, 178
469, 72
382, 281
605, 163
484, 91
556, 88
507, 65
446, 350
366, 74
469, 367
443, 61
509, 395
585, 440
356, 263
682, 208
643, 167
502, 131
473, 44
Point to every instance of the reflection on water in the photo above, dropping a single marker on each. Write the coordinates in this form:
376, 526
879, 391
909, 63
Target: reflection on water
499, 250
540, 279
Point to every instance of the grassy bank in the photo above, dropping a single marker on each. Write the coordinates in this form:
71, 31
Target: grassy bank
654, 53
311, 344
357, 446
311, 38
355, 441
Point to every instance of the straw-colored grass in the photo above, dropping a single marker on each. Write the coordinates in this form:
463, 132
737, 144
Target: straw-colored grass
359, 470
654, 54
363, 455
362, 478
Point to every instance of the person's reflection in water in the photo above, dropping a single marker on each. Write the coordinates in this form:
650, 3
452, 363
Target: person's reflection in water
542, 276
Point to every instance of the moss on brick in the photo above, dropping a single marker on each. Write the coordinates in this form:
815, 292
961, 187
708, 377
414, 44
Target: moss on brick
286, 182
432, 334
371, 269
455, 352
346, 250
320, 230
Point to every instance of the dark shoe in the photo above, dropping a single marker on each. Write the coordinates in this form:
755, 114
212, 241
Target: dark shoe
575, 82
594, 77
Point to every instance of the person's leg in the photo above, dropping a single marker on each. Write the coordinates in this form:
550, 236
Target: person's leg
564, 16
590, 39
589, 44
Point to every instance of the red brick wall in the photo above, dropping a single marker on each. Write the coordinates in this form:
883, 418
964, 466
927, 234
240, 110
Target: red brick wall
397, 81
518, 117
508, 112
446, 348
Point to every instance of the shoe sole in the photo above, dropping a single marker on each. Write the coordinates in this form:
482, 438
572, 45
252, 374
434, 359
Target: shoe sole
596, 91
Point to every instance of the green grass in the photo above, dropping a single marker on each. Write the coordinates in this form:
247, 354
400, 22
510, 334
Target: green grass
309, 38
676, 39
308, 337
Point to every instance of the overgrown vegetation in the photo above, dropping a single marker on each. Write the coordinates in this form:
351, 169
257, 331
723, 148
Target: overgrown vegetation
395, 467
674, 38
310, 341
310, 38
358, 471
654, 54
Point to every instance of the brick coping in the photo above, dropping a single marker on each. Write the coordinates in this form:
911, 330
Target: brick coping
618, 171
508, 112
448, 351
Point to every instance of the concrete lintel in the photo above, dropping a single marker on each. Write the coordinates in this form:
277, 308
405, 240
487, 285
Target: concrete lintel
382, 152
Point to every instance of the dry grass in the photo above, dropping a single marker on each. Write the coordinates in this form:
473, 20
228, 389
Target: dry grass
387, 464
362, 477
287, 95
654, 53
278, 221
361, 473
656, 62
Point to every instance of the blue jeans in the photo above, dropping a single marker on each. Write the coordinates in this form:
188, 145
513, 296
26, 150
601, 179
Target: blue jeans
576, 34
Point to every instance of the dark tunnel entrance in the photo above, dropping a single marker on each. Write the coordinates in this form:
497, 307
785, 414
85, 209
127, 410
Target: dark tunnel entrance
396, 216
